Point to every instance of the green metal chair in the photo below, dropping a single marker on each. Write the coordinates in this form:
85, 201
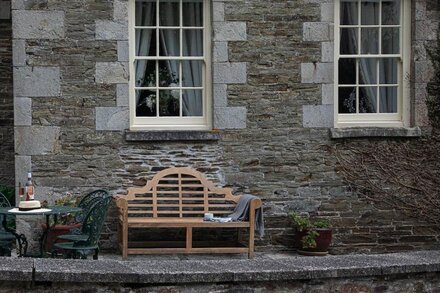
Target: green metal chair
86, 204
6, 238
91, 227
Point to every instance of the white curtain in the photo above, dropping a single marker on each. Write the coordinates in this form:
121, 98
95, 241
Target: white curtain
144, 15
192, 70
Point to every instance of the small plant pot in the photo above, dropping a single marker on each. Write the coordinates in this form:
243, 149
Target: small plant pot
56, 231
323, 241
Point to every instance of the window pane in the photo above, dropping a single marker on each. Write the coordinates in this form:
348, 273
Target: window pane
145, 72
390, 41
388, 100
193, 42
169, 101
145, 42
347, 71
388, 71
349, 12
169, 42
367, 100
349, 41
192, 104
169, 73
192, 72
169, 13
370, 12
367, 71
145, 13
192, 13
370, 40
347, 100
145, 103
391, 12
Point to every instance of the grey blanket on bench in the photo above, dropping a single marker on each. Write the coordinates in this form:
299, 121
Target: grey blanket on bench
241, 213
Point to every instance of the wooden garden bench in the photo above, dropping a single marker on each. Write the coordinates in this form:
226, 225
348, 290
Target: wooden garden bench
179, 198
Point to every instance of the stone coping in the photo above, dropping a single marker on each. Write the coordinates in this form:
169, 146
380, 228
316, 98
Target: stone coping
281, 267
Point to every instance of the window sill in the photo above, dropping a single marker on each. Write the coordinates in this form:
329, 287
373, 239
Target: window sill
359, 132
172, 135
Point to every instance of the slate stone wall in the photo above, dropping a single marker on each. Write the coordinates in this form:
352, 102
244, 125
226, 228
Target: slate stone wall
6, 97
70, 73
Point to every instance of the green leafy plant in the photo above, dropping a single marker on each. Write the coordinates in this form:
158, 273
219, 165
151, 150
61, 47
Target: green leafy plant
305, 224
70, 201
9, 192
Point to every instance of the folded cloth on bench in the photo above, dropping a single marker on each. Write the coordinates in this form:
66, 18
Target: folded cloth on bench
241, 213
218, 219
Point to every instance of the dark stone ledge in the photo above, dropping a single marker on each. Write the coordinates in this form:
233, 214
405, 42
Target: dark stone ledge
283, 267
359, 132
172, 135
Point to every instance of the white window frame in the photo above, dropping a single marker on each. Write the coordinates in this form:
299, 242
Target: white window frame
402, 117
172, 123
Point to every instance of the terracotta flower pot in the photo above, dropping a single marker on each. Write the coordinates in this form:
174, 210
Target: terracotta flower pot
323, 241
56, 231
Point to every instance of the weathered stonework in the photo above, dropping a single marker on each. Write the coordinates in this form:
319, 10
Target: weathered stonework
6, 97
37, 24
272, 101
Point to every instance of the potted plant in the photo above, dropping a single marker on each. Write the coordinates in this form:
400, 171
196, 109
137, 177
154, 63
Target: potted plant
312, 237
65, 223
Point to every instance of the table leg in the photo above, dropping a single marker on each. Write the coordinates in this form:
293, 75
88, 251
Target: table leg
43, 238
21, 239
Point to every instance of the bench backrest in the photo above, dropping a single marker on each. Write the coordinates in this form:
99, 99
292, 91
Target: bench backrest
179, 193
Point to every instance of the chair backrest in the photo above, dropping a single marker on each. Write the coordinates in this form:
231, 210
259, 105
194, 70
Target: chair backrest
4, 202
94, 220
87, 202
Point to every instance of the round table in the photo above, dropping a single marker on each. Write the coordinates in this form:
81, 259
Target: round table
54, 211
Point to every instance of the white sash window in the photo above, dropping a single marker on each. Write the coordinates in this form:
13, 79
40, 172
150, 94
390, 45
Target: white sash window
372, 69
170, 65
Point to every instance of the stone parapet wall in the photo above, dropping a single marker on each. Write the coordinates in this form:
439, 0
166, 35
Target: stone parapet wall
71, 96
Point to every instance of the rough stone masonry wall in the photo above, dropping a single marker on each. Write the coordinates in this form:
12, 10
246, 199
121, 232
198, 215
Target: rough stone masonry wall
6, 97
70, 91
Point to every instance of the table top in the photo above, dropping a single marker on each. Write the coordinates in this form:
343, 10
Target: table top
51, 210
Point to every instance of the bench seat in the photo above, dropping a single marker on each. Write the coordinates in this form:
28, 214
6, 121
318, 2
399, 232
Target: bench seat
179, 222
179, 198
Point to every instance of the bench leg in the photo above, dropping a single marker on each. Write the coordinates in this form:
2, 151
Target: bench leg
124, 241
188, 239
251, 242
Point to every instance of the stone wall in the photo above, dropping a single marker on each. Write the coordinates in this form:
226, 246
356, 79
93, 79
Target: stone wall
71, 111
6, 97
